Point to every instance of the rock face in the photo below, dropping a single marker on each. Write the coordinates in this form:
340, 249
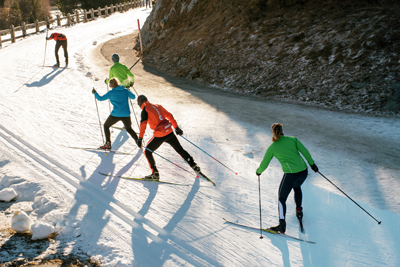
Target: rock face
334, 54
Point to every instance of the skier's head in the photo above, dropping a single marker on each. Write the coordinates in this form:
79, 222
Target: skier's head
277, 131
141, 99
114, 82
115, 58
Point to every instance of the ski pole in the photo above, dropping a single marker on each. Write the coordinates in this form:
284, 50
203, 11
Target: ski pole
379, 222
45, 47
134, 64
209, 155
259, 196
134, 113
98, 114
197, 176
109, 104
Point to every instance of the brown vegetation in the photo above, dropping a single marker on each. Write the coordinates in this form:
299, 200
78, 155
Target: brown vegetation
340, 54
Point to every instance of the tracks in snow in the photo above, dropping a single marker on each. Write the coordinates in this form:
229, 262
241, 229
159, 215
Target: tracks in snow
63, 177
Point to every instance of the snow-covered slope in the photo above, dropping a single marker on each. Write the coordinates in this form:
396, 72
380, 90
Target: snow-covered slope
130, 223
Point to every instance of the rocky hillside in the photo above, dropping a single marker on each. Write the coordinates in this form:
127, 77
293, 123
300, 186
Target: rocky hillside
336, 54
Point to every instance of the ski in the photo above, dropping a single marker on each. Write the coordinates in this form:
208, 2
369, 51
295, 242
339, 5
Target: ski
101, 150
141, 179
205, 177
301, 226
270, 231
119, 128
55, 67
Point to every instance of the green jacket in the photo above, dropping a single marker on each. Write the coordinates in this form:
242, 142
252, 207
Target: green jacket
286, 150
121, 72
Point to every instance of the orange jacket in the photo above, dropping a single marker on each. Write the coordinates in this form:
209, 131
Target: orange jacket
57, 37
158, 118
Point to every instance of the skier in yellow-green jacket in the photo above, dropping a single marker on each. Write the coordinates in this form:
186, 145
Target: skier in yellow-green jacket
121, 72
286, 149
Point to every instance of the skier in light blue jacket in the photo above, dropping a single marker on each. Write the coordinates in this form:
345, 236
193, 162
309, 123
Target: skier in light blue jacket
119, 98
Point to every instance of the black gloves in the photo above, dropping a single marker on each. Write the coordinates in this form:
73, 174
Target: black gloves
139, 142
105, 81
314, 167
178, 131
131, 84
93, 91
258, 174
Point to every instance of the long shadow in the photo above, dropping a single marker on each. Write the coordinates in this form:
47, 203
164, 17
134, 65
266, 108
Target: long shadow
159, 251
46, 79
97, 214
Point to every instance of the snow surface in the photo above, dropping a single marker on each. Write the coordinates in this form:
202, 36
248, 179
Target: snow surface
129, 223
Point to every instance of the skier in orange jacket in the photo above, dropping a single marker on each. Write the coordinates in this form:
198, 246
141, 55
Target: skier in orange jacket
61, 40
161, 122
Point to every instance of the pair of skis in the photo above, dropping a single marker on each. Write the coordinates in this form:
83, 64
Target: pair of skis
156, 181
274, 232
133, 178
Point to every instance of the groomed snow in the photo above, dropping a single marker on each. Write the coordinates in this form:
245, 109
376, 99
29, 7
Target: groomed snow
129, 223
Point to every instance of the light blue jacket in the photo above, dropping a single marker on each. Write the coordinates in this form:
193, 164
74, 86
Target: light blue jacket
119, 97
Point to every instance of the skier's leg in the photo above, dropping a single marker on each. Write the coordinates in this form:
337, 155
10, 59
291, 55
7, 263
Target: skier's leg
174, 142
111, 120
284, 189
65, 46
298, 195
58, 45
152, 145
128, 126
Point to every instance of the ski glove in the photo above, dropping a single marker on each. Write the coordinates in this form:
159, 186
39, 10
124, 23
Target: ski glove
178, 131
139, 142
131, 84
105, 81
93, 91
314, 167
258, 174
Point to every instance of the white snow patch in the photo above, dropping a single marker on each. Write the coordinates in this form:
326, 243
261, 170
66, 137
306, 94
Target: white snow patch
7, 194
40, 230
21, 222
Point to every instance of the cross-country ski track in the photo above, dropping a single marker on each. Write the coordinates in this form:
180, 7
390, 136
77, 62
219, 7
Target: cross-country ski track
137, 223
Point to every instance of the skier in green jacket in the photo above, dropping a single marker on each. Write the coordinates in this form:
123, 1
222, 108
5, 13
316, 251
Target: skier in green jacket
286, 149
121, 72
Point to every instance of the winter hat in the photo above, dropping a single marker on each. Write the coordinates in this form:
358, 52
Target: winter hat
141, 99
115, 58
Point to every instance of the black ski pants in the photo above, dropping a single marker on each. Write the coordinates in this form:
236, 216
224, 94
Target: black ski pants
290, 181
111, 120
64, 44
171, 139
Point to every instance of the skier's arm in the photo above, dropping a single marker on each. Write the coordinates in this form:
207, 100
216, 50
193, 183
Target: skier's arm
102, 98
131, 95
266, 160
143, 122
169, 117
303, 150
51, 36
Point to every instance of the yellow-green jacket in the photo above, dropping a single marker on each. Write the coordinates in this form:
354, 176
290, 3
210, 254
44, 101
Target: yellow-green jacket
286, 150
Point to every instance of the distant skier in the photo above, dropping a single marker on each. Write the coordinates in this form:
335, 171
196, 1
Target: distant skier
286, 149
160, 120
121, 72
61, 40
119, 97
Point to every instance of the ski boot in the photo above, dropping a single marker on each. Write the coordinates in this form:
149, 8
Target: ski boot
299, 213
281, 228
154, 176
107, 145
196, 168
57, 65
